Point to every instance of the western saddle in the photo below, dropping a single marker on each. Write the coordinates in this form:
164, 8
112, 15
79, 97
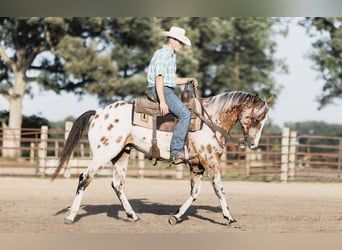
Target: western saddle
146, 114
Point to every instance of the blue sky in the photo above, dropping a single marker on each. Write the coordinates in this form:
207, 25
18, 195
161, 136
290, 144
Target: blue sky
301, 86
295, 103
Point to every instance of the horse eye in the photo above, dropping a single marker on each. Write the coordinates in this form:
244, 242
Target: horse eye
255, 121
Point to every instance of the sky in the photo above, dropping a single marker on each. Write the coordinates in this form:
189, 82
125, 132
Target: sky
301, 86
296, 103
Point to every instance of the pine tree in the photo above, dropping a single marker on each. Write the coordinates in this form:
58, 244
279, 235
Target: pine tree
55, 53
327, 55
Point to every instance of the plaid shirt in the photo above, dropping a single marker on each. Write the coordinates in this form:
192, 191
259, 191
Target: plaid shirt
163, 63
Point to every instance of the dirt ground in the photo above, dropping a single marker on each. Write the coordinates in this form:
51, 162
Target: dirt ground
38, 205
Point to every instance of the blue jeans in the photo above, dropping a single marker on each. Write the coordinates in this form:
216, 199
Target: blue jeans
176, 107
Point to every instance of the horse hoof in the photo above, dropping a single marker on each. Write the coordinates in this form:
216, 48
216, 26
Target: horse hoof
231, 222
173, 220
67, 221
132, 217
134, 220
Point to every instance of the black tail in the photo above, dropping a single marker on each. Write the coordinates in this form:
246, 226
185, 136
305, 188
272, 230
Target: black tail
72, 140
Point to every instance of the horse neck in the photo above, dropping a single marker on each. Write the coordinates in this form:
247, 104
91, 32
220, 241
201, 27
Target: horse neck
225, 109
228, 119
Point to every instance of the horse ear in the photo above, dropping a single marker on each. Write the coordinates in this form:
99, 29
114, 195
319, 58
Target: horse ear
270, 99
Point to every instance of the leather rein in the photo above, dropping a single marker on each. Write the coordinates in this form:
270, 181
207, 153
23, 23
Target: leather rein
215, 128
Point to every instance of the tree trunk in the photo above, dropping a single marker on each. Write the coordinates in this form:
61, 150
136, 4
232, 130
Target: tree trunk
12, 133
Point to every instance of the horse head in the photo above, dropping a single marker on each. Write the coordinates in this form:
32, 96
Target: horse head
253, 118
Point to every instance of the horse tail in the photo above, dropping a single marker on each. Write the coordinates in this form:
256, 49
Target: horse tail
72, 140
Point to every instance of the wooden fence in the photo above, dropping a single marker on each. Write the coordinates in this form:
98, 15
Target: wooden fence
279, 157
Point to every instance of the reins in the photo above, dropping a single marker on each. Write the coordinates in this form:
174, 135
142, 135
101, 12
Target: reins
214, 128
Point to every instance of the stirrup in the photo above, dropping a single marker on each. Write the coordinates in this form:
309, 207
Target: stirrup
182, 158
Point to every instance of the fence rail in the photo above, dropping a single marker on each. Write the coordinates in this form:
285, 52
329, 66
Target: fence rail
281, 157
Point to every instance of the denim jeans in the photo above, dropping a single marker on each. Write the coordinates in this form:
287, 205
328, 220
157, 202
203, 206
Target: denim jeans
176, 107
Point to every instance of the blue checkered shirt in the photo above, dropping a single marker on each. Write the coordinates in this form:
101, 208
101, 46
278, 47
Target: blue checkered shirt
163, 63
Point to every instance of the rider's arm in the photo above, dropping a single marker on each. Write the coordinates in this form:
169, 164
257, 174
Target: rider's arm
184, 80
164, 109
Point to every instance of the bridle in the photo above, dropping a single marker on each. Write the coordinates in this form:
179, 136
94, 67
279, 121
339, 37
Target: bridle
248, 127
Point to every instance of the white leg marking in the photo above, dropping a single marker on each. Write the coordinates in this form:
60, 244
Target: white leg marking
195, 191
118, 184
218, 188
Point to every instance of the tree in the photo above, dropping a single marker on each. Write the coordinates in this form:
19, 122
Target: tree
56, 53
316, 128
327, 54
132, 43
101, 56
107, 57
237, 54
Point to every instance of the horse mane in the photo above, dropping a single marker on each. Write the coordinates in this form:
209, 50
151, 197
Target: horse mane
224, 102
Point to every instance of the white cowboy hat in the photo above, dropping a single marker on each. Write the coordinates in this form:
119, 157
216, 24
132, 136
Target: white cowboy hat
177, 33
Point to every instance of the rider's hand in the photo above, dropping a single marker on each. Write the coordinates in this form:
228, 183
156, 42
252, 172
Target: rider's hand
164, 109
194, 81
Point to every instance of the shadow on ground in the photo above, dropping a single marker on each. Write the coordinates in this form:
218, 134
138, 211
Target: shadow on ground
142, 206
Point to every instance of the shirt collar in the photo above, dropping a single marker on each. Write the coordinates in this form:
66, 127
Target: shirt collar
169, 49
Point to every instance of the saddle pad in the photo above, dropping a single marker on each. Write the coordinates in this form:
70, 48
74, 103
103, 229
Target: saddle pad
164, 123
144, 110
147, 107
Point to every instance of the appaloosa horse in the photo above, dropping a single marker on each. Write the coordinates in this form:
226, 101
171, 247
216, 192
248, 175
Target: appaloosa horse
111, 136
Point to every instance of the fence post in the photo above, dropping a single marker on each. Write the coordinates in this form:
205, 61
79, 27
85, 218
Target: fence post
141, 164
339, 159
179, 171
68, 125
42, 149
248, 160
56, 149
292, 154
32, 149
285, 154
82, 150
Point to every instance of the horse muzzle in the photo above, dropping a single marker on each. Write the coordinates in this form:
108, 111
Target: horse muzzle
249, 142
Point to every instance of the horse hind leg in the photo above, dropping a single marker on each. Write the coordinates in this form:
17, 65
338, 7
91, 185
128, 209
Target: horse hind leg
196, 175
118, 184
84, 180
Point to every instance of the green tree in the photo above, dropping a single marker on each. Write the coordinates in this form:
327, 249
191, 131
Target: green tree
132, 43
56, 53
107, 57
319, 129
316, 128
226, 53
237, 54
327, 54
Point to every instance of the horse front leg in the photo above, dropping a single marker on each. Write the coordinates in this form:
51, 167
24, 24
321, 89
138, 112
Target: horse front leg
118, 183
196, 175
218, 188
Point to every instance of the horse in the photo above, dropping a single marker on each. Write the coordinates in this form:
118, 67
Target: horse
112, 135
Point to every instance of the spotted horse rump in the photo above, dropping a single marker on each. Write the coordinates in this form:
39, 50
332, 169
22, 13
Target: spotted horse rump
112, 135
